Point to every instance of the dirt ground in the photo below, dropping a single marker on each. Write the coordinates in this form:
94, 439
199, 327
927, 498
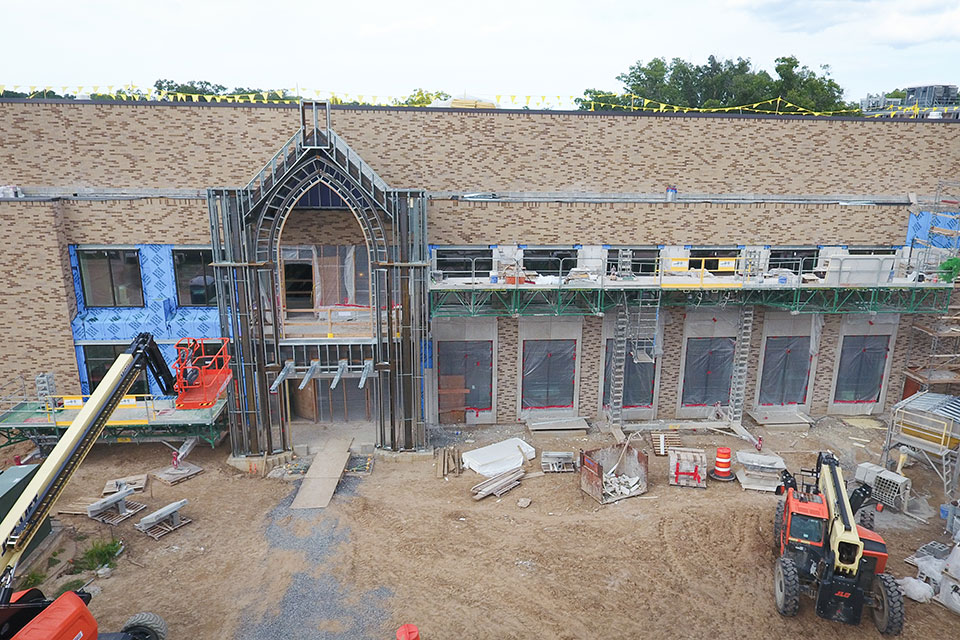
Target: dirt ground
402, 546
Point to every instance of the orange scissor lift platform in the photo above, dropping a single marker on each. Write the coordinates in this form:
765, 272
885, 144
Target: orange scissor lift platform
202, 372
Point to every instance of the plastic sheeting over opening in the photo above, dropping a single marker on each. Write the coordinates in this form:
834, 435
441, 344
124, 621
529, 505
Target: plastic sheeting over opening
638, 380
465, 370
786, 371
707, 371
549, 373
862, 363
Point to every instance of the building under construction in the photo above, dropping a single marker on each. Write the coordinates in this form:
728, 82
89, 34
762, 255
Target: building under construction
406, 267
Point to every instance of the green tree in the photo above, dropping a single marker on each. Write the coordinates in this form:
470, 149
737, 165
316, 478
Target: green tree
420, 98
720, 83
897, 93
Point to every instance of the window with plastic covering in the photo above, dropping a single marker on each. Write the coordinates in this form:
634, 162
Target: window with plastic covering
707, 371
638, 380
863, 360
465, 378
549, 374
786, 371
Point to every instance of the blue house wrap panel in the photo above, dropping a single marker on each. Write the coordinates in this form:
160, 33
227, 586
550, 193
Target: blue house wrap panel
921, 222
161, 315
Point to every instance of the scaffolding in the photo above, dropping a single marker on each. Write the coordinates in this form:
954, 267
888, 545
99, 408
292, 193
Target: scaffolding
933, 353
245, 226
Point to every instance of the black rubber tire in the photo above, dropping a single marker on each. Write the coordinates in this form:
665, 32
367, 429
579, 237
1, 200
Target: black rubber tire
778, 526
786, 587
146, 626
867, 518
888, 610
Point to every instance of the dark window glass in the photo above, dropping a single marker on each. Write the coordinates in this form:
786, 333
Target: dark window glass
196, 286
111, 278
638, 379
100, 357
862, 362
465, 263
298, 285
872, 252
549, 373
795, 260
786, 370
707, 371
550, 262
641, 261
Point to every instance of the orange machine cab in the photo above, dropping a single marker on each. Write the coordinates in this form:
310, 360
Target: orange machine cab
68, 618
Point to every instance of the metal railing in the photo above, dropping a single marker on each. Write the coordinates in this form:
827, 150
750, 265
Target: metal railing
698, 273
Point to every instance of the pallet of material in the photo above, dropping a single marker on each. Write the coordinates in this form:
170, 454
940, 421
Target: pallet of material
498, 485
662, 441
138, 483
113, 517
171, 476
161, 529
757, 481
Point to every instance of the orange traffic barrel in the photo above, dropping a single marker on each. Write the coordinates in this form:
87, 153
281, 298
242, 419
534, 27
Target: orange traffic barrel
721, 469
408, 632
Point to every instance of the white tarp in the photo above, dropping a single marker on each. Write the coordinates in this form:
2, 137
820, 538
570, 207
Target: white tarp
498, 458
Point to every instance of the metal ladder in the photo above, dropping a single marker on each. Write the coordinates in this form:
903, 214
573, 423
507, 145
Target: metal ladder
741, 358
638, 328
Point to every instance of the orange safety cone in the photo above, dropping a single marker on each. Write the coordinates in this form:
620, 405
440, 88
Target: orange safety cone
721, 470
408, 632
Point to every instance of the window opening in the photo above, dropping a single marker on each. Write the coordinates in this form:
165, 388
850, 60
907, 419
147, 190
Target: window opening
196, 286
786, 371
98, 358
549, 374
642, 262
110, 277
863, 360
465, 263
707, 371
796, 260
298, 285
716, 261
550, 262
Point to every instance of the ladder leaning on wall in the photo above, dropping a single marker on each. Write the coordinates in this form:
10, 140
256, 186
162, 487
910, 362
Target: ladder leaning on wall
635, 335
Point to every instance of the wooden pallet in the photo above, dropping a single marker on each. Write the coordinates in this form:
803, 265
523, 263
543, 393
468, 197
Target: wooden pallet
161, 529
171, 476
662, 441
113, 517
138, 483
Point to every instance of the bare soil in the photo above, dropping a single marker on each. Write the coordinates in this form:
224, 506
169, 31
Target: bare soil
677, 562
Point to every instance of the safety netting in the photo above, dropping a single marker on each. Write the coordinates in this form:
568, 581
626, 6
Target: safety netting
707, 371
786, 371
549, 373
638, 380
465, 377
863, 360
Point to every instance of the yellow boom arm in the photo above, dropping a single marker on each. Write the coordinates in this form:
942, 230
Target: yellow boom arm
36, 502
844, 541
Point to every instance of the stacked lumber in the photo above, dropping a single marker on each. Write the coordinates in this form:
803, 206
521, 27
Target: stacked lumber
448, 460
498, 485
662, 441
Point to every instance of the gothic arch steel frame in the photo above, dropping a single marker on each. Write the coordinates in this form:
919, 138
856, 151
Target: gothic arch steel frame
246, 226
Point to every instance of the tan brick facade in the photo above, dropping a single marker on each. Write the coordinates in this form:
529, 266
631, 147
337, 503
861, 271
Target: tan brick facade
506, 362
315, 227
457, 222
35, 296
146, 221
590, 352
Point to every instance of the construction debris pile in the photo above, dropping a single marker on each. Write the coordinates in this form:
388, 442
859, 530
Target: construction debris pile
620, 485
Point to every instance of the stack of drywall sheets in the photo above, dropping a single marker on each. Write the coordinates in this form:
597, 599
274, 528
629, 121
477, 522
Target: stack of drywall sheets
759, 471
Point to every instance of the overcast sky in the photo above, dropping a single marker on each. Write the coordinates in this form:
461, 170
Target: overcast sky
487, 48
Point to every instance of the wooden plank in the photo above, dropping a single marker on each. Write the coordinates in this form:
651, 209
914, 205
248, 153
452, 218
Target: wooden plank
76, 508
315, 493
171, 476
137, 483
618, 433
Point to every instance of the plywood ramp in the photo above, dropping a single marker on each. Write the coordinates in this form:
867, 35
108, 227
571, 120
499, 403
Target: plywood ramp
323, 476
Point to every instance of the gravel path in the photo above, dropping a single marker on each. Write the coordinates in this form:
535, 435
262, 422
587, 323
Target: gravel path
316, 605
